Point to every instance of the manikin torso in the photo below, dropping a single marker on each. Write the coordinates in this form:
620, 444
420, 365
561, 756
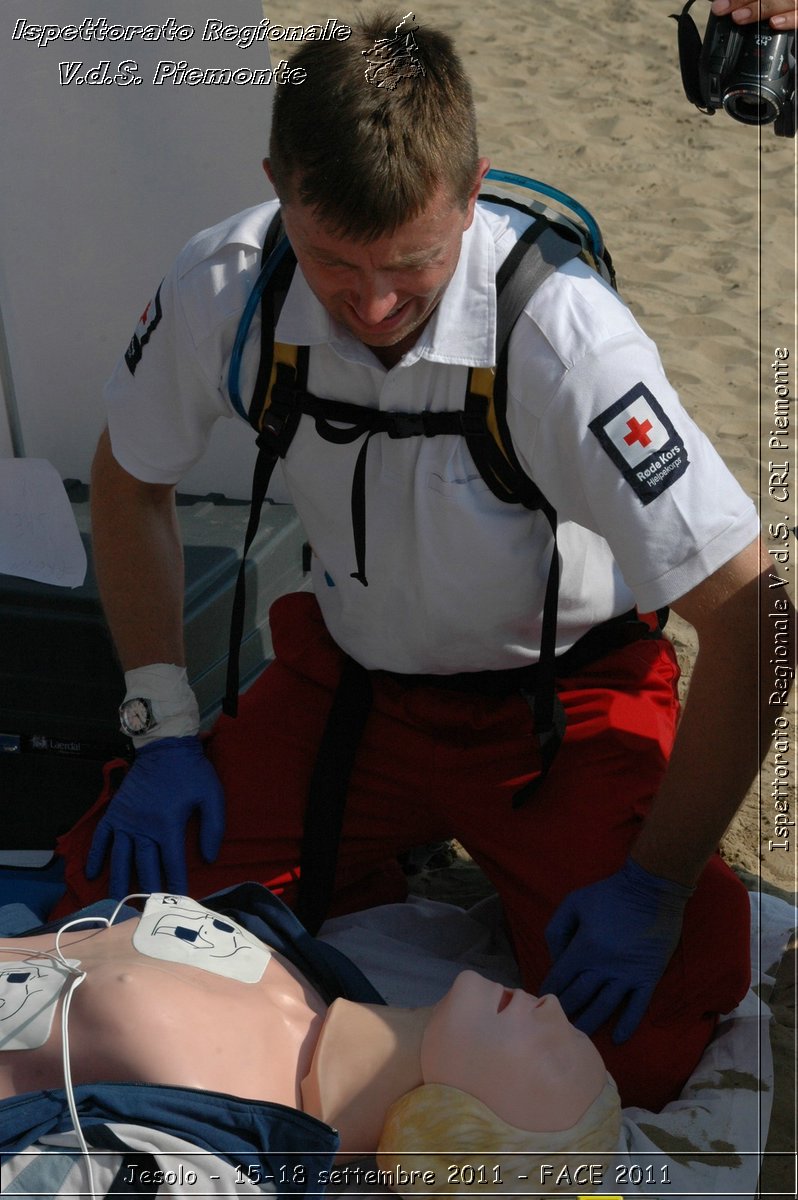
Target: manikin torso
137, 1019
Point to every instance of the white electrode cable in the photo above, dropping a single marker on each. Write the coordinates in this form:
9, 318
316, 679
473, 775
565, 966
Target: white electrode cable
75, 983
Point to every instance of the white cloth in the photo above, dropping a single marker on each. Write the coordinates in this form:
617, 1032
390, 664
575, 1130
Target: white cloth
456, 577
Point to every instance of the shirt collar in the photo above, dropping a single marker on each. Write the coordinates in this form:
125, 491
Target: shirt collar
462, 330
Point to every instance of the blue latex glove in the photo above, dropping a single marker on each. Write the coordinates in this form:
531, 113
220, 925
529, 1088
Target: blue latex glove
611, 942
145, 823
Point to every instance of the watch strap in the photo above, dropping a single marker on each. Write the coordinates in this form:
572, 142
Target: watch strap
172, 701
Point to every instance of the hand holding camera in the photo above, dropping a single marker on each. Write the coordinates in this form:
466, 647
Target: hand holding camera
782, 14
746, 69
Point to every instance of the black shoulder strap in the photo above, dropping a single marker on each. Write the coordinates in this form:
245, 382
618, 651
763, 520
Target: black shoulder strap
537, 254
271, 441
522, 272
540, 250
271, 302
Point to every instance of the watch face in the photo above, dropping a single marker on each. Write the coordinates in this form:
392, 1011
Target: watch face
136, 717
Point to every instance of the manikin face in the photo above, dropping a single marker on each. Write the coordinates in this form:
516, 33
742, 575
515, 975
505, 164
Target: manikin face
517, 1053
383, 291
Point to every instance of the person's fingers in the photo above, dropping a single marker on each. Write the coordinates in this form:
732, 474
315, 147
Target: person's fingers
782, 14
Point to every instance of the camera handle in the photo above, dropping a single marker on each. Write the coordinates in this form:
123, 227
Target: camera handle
689, 40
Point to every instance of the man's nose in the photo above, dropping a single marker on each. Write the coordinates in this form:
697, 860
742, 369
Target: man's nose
376, 299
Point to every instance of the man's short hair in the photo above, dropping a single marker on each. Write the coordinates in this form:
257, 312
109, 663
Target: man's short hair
380, 121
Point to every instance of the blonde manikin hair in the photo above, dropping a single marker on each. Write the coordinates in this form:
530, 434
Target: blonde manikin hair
436, 1128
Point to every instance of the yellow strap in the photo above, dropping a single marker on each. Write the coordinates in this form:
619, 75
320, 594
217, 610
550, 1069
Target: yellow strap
284, 355
482, 379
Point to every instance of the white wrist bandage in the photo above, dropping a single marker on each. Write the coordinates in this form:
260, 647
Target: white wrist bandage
174, 704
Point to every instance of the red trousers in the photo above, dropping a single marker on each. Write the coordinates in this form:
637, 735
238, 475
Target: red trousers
434, 764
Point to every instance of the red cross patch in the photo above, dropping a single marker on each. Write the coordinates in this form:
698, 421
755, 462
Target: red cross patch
641, 440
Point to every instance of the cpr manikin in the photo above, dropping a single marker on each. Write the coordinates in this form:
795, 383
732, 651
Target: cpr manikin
151, 1009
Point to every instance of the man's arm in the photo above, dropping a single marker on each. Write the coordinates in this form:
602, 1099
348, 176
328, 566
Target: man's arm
139, 562
612, 940
721, 738
782, 14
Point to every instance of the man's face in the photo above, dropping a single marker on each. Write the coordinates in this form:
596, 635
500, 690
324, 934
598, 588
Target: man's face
383, 291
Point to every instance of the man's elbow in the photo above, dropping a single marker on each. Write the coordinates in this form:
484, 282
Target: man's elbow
727, 605
110, 482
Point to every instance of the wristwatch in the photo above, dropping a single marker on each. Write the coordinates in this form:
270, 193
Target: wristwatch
136, 716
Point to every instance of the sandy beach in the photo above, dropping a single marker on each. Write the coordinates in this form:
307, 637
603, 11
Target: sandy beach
698, 213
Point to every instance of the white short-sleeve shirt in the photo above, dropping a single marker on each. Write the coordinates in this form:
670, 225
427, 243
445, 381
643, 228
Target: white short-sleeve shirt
456, 577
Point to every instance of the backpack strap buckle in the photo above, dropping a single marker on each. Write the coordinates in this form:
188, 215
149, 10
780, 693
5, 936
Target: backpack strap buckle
280, 419
468, 422
407, 425
473, 421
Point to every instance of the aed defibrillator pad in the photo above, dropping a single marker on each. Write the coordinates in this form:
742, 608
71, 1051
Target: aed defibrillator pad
179, 930
29, 991
640, 439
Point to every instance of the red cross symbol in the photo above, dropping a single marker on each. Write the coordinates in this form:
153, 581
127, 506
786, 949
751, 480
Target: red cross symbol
637, 432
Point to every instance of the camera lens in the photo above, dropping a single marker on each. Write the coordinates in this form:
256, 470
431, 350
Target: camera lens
752, 106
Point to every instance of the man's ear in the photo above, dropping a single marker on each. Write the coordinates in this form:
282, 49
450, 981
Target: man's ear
483, 166
268, 169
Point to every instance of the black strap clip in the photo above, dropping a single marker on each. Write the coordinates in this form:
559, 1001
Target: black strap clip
473, 421
282, 416
407, 425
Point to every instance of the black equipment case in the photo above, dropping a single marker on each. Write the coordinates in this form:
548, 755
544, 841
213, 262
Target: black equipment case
60, 681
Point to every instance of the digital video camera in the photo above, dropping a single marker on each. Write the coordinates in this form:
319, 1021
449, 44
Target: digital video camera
748, 70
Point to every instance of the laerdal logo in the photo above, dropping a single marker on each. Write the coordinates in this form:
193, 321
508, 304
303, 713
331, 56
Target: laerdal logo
641, 440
